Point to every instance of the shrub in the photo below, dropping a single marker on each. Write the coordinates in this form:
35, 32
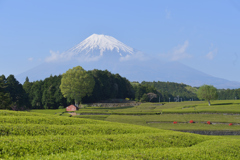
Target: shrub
61, 107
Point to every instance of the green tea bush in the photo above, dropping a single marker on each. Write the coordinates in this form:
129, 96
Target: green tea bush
217, 149
54, 120
17, 146
82, 129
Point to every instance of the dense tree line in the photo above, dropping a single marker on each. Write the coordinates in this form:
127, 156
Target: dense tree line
12, 94
46, 94
173, 91
143, 92
224, 94
109, 86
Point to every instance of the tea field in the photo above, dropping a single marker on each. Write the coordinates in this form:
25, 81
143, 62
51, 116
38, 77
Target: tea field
52, 134
221, 113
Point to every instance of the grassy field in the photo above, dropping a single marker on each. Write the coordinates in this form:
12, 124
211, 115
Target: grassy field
34, 135
221, 113
218, 106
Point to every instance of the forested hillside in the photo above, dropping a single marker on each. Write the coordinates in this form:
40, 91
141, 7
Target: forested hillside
228, 94
174, 90
46, 94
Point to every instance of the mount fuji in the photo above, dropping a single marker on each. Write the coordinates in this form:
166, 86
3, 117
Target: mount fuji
105, 52
94, 48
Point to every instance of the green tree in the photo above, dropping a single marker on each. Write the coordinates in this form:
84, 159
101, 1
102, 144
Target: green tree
207, 92
17, 93
76, 83
36, 95
5, 99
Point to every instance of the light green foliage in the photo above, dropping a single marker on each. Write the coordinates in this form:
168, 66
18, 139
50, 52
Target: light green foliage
215, 149
221, 113
46, 145
47, 119
191, 89
207, 92
76, 83
61, 107
8, 129
171, 89
31, 135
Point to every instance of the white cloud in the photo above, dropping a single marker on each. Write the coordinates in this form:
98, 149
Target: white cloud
88, 58
139, 56
178, 53
61, 57
30, 59
211, 54
55, 56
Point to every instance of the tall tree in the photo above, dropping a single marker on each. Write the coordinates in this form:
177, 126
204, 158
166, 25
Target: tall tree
207, 92
76, 83
5, 99
27, 88
36, 95
17, 93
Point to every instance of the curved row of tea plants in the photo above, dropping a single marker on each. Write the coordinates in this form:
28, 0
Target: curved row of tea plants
45, 145
8, 129
215, 149
42, 136
54, 120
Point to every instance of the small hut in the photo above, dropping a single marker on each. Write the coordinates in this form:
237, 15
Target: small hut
71, 108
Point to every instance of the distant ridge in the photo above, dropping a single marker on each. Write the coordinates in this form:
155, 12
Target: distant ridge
105, 52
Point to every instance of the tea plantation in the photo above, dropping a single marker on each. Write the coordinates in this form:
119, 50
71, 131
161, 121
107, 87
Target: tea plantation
37, 135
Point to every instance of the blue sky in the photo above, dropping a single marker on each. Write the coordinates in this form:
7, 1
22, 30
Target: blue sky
202, 34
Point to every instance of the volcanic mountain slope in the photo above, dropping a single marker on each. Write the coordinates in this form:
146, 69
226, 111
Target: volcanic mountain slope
99, 44
105, 52
94, 48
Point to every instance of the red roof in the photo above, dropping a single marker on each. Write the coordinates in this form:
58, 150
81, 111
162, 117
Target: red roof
71, 108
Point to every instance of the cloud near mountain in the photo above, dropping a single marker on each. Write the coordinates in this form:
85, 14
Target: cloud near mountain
105, 52
93, 48
178, 53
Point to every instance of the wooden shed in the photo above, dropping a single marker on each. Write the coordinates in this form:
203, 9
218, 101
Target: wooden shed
71, 108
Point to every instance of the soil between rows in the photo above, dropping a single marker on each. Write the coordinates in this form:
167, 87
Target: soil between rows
211, 132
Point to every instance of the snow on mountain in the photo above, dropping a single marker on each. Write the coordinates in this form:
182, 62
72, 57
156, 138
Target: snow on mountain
105, 52
93, 48
102, 43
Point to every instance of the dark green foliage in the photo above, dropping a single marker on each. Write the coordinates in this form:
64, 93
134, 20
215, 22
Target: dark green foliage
172, 90
46, 94
144, 98
5, 99
142, 90
224, 94
109, 86
52, 97
18, 95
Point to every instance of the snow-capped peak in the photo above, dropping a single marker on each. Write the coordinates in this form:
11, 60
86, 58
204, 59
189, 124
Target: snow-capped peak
102, 43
